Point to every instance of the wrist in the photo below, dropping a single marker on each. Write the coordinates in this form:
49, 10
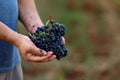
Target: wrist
18, 39
32, 23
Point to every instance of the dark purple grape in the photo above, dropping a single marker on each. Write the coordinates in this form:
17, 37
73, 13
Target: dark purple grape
49, 38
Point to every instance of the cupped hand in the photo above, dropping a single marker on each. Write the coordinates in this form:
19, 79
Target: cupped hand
31, 53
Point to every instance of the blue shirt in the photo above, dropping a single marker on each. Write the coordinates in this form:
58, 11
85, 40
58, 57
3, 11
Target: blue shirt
9, 55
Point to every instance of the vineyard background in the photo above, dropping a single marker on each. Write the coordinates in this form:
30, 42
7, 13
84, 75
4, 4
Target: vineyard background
93, 40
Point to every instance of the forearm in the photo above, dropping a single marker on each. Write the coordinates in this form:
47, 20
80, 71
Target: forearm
28, 15
8, 35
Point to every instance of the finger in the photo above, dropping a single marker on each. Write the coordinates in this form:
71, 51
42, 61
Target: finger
38, 52
63, 40
33, 58
51, 58
43, 52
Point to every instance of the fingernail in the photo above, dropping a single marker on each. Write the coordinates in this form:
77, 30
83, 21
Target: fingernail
54, 56
50, 52
44, 52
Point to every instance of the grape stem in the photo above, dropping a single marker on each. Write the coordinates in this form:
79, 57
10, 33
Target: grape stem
47, 22
50, 18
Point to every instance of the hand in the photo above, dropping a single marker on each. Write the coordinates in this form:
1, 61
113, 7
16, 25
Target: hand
31, 53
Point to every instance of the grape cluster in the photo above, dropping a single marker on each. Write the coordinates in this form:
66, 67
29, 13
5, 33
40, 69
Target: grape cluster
49, 38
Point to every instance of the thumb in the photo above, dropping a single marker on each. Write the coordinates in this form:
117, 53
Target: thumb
63, 40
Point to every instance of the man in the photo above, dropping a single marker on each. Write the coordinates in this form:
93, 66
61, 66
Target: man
10, 11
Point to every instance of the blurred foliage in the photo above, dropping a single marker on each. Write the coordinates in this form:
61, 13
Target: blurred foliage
92, 39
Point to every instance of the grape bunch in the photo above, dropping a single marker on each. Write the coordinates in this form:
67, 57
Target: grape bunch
49, 38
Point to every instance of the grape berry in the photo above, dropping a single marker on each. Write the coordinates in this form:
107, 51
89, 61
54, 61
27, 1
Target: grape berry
49, 38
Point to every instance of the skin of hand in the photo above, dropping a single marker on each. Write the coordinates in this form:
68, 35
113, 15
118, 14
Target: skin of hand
31, 53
